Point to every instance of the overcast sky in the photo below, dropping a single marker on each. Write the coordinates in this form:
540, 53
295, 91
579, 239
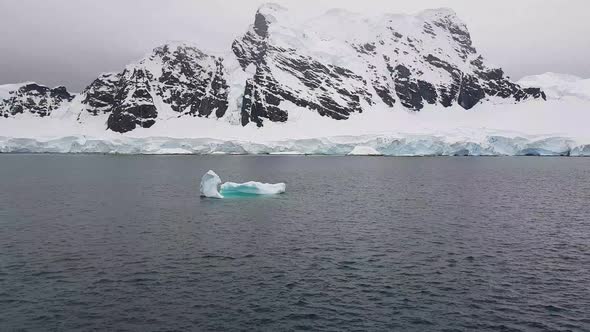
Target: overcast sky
69, 42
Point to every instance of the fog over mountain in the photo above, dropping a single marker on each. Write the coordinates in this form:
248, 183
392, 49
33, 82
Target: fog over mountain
70, 42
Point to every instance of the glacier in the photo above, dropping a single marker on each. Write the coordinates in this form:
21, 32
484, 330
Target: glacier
386, 145
364, 151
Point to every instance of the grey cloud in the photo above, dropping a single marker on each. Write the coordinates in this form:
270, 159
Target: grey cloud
69, 42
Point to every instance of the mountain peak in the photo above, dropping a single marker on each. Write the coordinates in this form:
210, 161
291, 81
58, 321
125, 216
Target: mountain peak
443, 12
266, 15
171, 47
270, 8
339, 12
445, 17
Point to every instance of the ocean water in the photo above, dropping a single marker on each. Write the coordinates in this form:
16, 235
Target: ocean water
92, 242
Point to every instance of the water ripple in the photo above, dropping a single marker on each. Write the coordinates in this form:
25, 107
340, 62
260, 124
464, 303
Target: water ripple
357, 244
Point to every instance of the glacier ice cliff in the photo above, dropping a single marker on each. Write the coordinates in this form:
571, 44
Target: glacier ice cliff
387, 145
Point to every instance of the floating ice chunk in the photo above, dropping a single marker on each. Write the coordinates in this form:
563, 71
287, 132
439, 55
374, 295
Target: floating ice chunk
364, 151
210, 185
252, 188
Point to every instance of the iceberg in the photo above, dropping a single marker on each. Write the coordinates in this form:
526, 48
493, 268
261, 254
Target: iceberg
210, 185
252, 188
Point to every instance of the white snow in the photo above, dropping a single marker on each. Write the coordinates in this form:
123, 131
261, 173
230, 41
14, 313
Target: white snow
209, 185
557, 118
6, 89
558, 86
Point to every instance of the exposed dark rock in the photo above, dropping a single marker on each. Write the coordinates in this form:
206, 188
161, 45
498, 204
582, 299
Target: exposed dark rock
127, 119
535, 93
261, 25
396, 34
189, 85
478, 63
100, 96
428, 29
247, 102
458, 32
470, 93
427, 91
257, 105
469, 90
385, 94
135, 104
406, 89
438, 63
35, 99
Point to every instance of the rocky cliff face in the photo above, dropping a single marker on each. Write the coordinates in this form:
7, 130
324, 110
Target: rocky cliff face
336, 65
287, 74
341, 63
32, 98
173, 81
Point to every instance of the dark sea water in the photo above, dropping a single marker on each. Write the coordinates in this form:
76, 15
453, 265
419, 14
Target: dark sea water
90, 242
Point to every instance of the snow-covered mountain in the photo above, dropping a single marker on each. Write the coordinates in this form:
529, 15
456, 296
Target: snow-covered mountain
335, 65
174, 80
32, 98
341, 63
